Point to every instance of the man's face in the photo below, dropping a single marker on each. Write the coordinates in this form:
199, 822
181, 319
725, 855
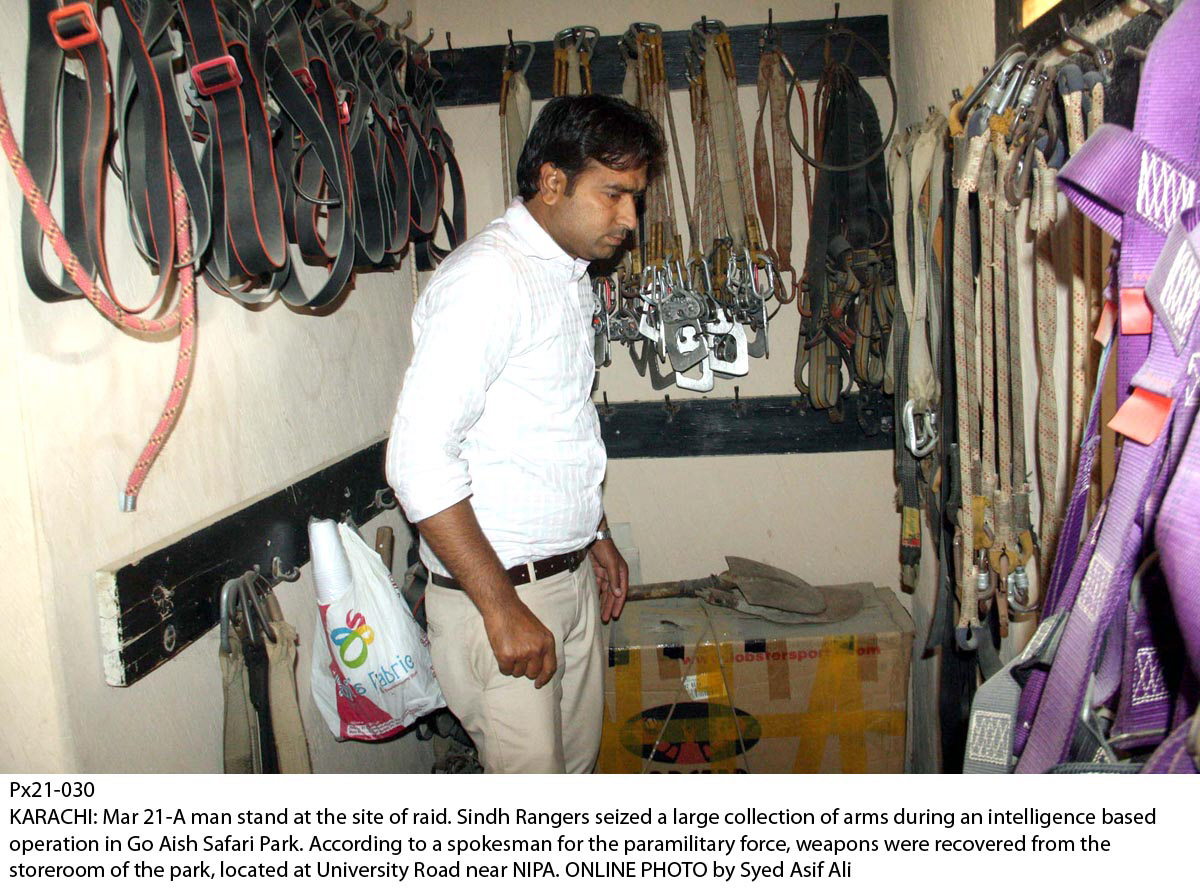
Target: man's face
593, 219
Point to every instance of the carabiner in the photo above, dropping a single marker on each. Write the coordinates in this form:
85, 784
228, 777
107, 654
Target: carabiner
923, 446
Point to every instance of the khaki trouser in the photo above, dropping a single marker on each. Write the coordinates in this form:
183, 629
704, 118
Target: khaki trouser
518, 728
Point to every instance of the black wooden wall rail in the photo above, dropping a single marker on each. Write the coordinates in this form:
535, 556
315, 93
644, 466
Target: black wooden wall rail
473, 74
153, 608
720, 427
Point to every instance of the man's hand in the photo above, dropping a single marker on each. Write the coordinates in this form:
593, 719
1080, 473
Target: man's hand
612, 578
522, 644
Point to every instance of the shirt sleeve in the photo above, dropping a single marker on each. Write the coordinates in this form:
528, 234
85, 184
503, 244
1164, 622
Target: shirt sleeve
464, 329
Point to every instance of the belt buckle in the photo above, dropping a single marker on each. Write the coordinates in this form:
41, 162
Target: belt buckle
304, 78
232, 79
80, 14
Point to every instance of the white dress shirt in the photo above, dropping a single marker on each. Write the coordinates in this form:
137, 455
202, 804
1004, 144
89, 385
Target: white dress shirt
496, 404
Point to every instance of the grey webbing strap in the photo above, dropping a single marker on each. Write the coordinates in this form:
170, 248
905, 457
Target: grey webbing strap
241, 752
290, 740
968, 158
1095, 259
773, 183
994, 709
1042, 220
659, 101
703, 210
1079, 314
1021, 525
629, 83
1003, 553
901, 174
922, 382
574, 79
722, 106
517, 113
907, 487
933, 214
987, 334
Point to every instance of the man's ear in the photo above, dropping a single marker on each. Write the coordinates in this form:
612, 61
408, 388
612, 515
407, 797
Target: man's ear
552, 183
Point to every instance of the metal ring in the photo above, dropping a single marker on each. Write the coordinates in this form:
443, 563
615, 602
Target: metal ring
793, 84
320, 202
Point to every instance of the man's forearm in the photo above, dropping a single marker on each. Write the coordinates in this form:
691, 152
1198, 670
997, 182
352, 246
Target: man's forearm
457, 540
522, 644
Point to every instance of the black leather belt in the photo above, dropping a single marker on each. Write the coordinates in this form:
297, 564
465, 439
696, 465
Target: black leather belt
520, 574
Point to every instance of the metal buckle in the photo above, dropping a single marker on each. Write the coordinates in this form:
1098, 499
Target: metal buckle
344, 112
233, 77
304, 78
80, 14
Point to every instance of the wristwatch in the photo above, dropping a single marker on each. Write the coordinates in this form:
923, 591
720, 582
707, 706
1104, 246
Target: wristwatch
604, 534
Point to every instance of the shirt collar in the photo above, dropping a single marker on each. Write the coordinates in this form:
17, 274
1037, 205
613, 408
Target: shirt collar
538, 241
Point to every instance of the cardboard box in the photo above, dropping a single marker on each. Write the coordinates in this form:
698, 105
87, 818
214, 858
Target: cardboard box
808, 697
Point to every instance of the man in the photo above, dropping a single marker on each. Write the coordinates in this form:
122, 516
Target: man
495, 451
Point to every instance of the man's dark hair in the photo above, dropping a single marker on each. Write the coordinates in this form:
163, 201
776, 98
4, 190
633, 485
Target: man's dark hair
572, 130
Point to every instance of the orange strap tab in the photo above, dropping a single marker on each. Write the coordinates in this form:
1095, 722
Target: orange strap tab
1136, 316
1108, 320
1142, 416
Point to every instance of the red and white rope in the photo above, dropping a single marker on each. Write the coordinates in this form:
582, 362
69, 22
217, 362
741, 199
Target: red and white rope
182, 318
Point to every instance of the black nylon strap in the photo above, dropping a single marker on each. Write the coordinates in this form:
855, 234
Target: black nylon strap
342, 162
248, 211
142, 121
44, 77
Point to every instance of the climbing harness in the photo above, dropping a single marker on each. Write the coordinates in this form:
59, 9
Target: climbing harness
847, 290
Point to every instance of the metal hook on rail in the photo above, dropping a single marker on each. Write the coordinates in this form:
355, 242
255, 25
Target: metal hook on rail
1101, 56
399, 28
279, 575
512, 54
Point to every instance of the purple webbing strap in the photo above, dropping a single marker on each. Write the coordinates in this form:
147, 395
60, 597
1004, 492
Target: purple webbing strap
1148, 707
1177, 529
1099, 585
1177, 533
1118, 177
1071, 551
1152, 168
1069, 538
1172, 756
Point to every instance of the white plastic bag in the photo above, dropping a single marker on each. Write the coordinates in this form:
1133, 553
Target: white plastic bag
373, 676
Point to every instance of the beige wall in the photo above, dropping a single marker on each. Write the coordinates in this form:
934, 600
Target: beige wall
939, 45
278, 393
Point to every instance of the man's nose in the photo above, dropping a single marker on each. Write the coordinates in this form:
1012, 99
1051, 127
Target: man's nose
627, 212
